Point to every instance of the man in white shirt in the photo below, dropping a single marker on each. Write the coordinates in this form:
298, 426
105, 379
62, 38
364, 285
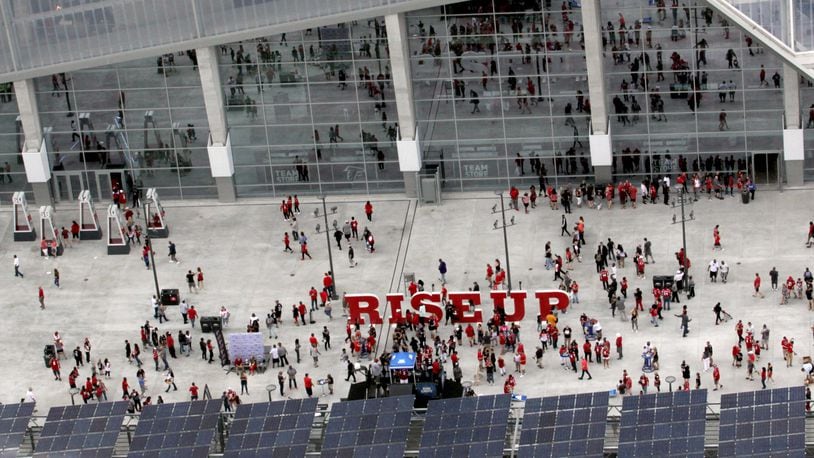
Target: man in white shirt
17, 272
713, 270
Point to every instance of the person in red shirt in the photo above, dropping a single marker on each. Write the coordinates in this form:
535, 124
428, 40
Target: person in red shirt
193, 392
619, 346
369, 210
757, 287
312, 293
192, 315
584, 366
287, 243
41, 297
304, 251
328, 283
644, 382
125, 386
302, 310
54, 363
309, 385
716, 377
514, 193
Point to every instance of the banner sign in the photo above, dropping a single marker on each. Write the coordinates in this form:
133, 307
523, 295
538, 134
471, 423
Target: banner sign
365, 307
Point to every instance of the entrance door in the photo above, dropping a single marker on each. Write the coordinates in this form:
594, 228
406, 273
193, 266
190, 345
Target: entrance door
766, 167
67, 185
101, 183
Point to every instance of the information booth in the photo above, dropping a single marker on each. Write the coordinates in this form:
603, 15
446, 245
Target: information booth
116, 240
50, 242
23, 229
156, 225
402, 368
88, 222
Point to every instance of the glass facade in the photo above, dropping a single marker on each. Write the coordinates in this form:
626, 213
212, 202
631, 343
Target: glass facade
500, 92
807, 120
312, 111
686, 91
12, 171
500, 95
142, 123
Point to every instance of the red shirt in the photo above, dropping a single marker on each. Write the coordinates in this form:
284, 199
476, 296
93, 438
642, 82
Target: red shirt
327, 281
757, 282
313, 293
313, 340
368, 208
308, 382
193, 390
302, 309
192, 313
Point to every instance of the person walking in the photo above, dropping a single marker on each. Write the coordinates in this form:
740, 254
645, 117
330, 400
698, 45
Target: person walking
369, 211
41, 297
584, 366
244, 382
442, 269
308, 383
773, 276
56, 277
172, 252
292, 377
17, 272
756, 284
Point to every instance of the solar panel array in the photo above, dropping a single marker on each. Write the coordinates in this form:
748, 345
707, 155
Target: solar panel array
763, 423
271, 429
89, 428
568, 425
180, 429
371, 427
471, 426
14, 420
665, 424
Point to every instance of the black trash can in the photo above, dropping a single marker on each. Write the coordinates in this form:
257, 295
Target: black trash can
170, 297
745, 196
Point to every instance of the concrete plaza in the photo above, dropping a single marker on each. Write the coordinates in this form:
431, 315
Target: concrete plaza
239, 248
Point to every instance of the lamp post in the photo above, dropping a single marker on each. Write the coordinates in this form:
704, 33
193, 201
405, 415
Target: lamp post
148, 242
334, 296
505, 236
682, 198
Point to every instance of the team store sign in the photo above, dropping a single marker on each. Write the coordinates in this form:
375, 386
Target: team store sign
366, 307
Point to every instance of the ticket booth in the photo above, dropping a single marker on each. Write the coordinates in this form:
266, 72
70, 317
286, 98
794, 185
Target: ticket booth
156, 225
23, 229
50, 242
88, 222
116, 241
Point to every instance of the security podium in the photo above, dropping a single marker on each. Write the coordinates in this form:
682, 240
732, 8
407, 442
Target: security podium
88, 222
156, 225
23, 230
116, 240
50, 242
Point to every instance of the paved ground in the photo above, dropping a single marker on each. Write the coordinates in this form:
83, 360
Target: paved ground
239, 248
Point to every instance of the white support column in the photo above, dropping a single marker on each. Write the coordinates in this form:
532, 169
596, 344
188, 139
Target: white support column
35, 152
600, 140
408, 146
219, 145
793, 136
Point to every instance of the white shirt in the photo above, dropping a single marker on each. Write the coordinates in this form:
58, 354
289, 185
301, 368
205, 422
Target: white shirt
16, 262
29, 397
713, 266
275, 353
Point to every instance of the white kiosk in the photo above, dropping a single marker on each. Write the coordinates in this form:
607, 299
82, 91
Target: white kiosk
50, 242
116, 240
23, 230
88, 222
157, 226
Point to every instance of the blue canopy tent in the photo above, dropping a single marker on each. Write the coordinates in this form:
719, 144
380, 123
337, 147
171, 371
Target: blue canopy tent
402, 361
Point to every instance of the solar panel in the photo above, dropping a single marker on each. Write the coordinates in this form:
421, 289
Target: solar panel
370, 427
664, 424
561, 426
180, 429
466, 427
14, 420
83, 430
763, 423
280, 428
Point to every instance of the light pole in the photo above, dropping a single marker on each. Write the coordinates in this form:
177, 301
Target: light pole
334, 296
149, 244
682, 198
505, 236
